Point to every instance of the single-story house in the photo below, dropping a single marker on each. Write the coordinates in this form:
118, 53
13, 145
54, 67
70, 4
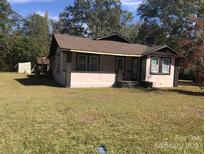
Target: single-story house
84, 62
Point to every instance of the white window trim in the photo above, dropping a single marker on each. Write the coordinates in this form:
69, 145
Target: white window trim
160, 63
157, 65
168, 65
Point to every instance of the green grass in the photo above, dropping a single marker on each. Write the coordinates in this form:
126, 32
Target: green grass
36, 116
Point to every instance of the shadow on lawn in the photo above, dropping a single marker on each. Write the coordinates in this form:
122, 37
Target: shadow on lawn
186, 92
33, 80
180, 91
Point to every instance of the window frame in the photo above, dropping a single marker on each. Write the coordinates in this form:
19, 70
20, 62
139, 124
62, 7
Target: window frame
151, 65
86, 62
160, 65
89, 63
123, 70
168, 65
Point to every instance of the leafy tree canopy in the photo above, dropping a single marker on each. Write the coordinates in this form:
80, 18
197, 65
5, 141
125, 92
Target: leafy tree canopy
172, 18
93, 18
178, 23
36, 26
8, 18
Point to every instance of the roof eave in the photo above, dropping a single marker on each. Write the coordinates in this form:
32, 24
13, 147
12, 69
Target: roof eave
100, 53
161, 47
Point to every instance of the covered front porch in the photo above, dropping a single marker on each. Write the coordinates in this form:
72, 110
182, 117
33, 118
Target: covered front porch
95, 70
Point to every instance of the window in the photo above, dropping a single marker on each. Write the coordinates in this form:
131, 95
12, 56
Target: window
160, 65
82, 62
165, 65
69, 57
155, 65
119, 65
93, 63
87, 62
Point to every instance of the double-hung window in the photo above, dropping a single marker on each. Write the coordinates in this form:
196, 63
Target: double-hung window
155, 65
87, 62
160, 65
93, 63
82, 62
165, 65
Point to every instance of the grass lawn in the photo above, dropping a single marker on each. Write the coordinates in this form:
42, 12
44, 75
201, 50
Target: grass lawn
36, 116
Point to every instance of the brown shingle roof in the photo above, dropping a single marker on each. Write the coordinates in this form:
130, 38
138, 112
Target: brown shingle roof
70, 42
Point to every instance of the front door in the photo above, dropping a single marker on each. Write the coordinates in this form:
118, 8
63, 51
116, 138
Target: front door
119, 64
119, 67
135, 69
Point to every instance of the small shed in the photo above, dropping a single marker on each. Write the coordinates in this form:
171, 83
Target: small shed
24, 67
41, 66
42, 61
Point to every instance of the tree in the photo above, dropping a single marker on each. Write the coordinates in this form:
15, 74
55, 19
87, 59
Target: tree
8, 18
36, 26
194, 55
8, 21
21, 39
176, 23
93, 18
5, 13
131, 31
20, 49
151, 31
54, 26
172, 17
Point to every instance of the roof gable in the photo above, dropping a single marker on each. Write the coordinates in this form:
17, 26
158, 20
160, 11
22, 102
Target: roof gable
115, 37
158, 48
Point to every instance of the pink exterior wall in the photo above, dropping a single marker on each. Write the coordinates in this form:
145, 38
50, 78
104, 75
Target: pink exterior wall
106, 76
160, 80
88, 79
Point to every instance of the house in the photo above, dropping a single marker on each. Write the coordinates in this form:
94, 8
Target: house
83, 62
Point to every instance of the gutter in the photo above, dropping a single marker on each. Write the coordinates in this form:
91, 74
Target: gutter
99, 53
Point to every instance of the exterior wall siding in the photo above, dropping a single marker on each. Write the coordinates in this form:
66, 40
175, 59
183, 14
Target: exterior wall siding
143, 69
88, 79
107, 63
74, 56
59, 75
106, 75
160, 80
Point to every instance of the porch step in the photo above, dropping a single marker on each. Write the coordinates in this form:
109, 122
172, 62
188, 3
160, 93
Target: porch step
127, 84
